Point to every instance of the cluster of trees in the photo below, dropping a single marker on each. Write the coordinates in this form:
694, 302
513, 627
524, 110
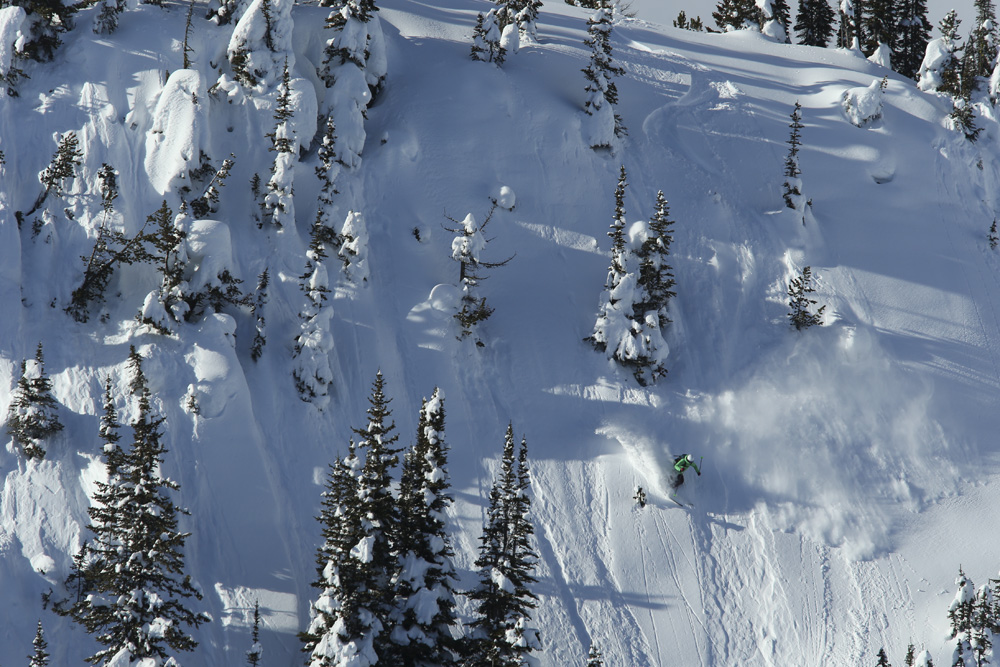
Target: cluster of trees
974, 617
385, 571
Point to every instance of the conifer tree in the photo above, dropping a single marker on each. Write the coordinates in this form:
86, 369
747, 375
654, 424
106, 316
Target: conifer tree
311, 372
992, 237
883, 659
801, 315
172, 302
814, 23
357, 564
912, 34
486, 45
257, 310
602, 93
261, 44
46, 20
136, 589
467, 249
793, 184
879, 25
63, 166
910, 657
849, 34
781, 14
424, 618
107, 16
941, 69
32, 416
594, 657
256, 650
732, 15
278, 201
499, 633
981, 47
40, 656
208, 202
353, 249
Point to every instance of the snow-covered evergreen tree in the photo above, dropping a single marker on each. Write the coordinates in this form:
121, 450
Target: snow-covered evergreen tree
357, 564
257, 310
883, 659
256, 651
353, 248
879, 30
107, 16
602, 94
40, 655
499, 632
45, 21
314, 342
354, 70
172, 301
732, 15
814, 23
594, 657
801, 314
486, 44
279, 202
992, 236
981, 47
941, 68
32, 417
62, 167
467, 249
793, 184
912, 34
849, 34
134, 591
777, 20
424, 620
261, 44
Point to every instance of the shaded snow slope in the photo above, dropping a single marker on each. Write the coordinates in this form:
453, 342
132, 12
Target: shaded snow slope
844, 465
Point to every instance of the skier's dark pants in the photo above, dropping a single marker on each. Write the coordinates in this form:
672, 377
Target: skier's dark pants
677, 481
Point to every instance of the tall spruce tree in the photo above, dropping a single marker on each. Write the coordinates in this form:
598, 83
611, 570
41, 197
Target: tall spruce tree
602, 93
424, 621
801, 315
279, 202
256, 651
32, 417
40, 655
499, 632
732, 15
879, 25
814, 23
594, 657
793, 184
849, 33
913, 31
133, 593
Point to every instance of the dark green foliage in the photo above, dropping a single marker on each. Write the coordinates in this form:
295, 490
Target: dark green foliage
684, 23
737, 15
62, 166
601, 70
594, 657
850, 26
981, 47
656, 278
793, 186
40, 656
799, 303
129, 583
781, 13
963, 115
992, 236
208, 202
46, 20
878, 25
254, 654
814, 23
883, 660
423, 548
503, 599
486, 40
910, 658
912, 34
32, 416
953, 81
111, 249
257, 310
107, 18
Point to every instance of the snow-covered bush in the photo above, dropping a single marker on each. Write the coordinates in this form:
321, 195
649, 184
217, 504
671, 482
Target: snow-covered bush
863, 106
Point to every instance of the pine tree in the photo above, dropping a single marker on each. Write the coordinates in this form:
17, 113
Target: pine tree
32, 416
910, 657
353, 249
814, 23
256, 650
424, 618
173, 301
992, 237
112, 248
467, 249
63, 166
912, 34
883, 660
781, 14
793, 184
981, 47
356, 562
136, 590
45, 21
799, 303
278, 201
257, 310
732, 15
594, 657
208, 202
499, 634
879, 25
40, 657
486, 45
107, 16
602, 93
849, 34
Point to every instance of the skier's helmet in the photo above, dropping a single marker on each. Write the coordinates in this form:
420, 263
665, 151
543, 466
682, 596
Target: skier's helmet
687, 457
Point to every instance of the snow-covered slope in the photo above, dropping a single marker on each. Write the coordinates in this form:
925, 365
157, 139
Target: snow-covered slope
849, 469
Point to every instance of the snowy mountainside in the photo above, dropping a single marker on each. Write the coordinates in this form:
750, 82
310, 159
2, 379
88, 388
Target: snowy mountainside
849, 469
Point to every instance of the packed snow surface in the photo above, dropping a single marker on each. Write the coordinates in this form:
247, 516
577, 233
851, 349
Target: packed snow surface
848, 469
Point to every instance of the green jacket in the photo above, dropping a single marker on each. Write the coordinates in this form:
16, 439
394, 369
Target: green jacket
682, 464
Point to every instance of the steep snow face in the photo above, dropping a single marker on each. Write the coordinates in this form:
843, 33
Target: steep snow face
843, 464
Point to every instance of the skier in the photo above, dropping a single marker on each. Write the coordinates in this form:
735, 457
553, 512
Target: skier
682, 463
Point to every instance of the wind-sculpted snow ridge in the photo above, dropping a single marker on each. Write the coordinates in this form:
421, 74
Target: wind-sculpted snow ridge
847, 469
